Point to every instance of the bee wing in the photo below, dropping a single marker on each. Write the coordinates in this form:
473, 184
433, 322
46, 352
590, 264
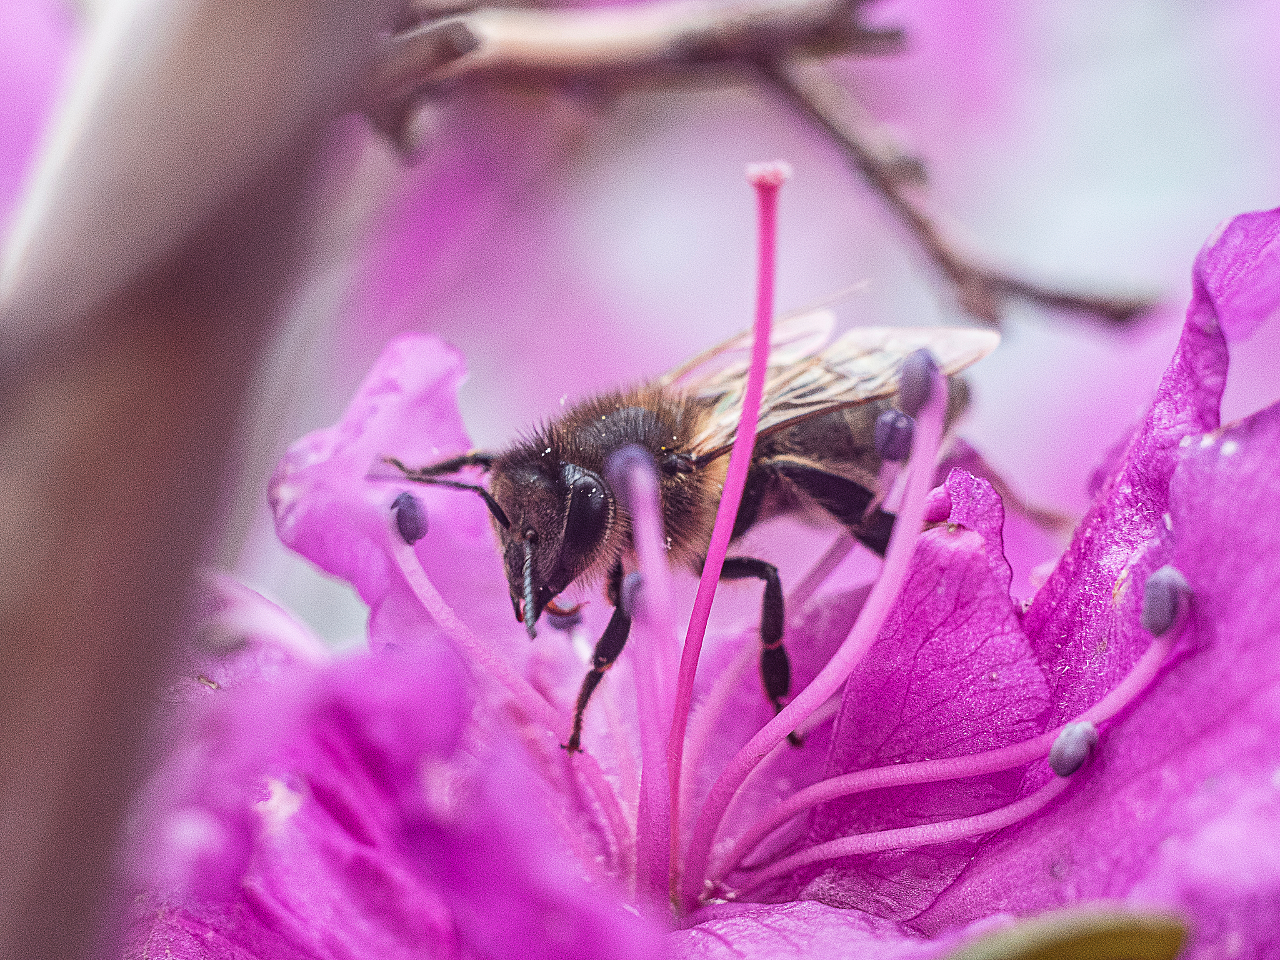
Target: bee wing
717, 370
862, 365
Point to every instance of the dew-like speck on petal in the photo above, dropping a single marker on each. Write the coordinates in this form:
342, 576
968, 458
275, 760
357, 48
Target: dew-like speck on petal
281, 804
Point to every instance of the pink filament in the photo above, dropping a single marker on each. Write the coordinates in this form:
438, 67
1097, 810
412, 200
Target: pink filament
654, 664
936, 771
767, 180
906, 530
527, 700
912, 837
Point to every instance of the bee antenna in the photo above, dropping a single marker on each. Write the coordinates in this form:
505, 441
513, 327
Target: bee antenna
498, 513
529, 616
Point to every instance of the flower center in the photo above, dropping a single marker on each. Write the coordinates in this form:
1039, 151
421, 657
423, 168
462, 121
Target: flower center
651, 848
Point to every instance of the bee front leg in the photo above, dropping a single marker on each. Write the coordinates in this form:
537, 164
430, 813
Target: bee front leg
473, 458
608, 647
775, 665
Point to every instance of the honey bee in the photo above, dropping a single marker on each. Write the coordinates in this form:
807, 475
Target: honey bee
559, 522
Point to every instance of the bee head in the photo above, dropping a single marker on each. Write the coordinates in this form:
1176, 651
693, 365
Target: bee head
558, 516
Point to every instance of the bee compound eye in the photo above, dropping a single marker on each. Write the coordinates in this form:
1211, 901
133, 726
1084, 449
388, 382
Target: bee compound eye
588, 509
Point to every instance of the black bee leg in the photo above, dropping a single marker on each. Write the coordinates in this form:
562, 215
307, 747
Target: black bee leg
845, 499
775, 665
874, 530
607, 650
608, 647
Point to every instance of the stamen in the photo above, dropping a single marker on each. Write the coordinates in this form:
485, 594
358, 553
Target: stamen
1164, 600
893, 435
411, 522
938, 771
634, 479
646, 597
465, 643
767, 179
705, 724
632, 588
927, 441
1072, 748
565, 620
527, 700
910, 838
916, 380
821, 571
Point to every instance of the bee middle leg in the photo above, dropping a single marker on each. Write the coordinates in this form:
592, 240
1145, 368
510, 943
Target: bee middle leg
607, 650
775, 665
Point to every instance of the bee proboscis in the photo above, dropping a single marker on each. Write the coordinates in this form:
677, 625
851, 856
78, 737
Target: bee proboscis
559, 522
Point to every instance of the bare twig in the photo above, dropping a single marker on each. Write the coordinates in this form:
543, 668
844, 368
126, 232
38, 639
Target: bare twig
681, 40
655, 42
983, 290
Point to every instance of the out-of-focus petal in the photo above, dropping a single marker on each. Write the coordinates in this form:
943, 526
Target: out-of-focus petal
332, 495
36, 37
367, 826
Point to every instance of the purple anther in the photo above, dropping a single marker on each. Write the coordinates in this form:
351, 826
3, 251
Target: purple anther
627, 467
915, 382
411, 522
894, 430
1163, 599
632, 585
565, 621
1072, 748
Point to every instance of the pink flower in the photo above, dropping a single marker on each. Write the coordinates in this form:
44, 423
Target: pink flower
414, 800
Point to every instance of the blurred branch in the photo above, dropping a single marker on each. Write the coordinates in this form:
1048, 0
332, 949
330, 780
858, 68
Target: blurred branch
646, 43
678, 42
983, 290
138, 291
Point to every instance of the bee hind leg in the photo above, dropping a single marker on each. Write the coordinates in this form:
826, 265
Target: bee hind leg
846, 500
775, 665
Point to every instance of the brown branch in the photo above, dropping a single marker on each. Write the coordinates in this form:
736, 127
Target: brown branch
681, 40
653, 42
983, 291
